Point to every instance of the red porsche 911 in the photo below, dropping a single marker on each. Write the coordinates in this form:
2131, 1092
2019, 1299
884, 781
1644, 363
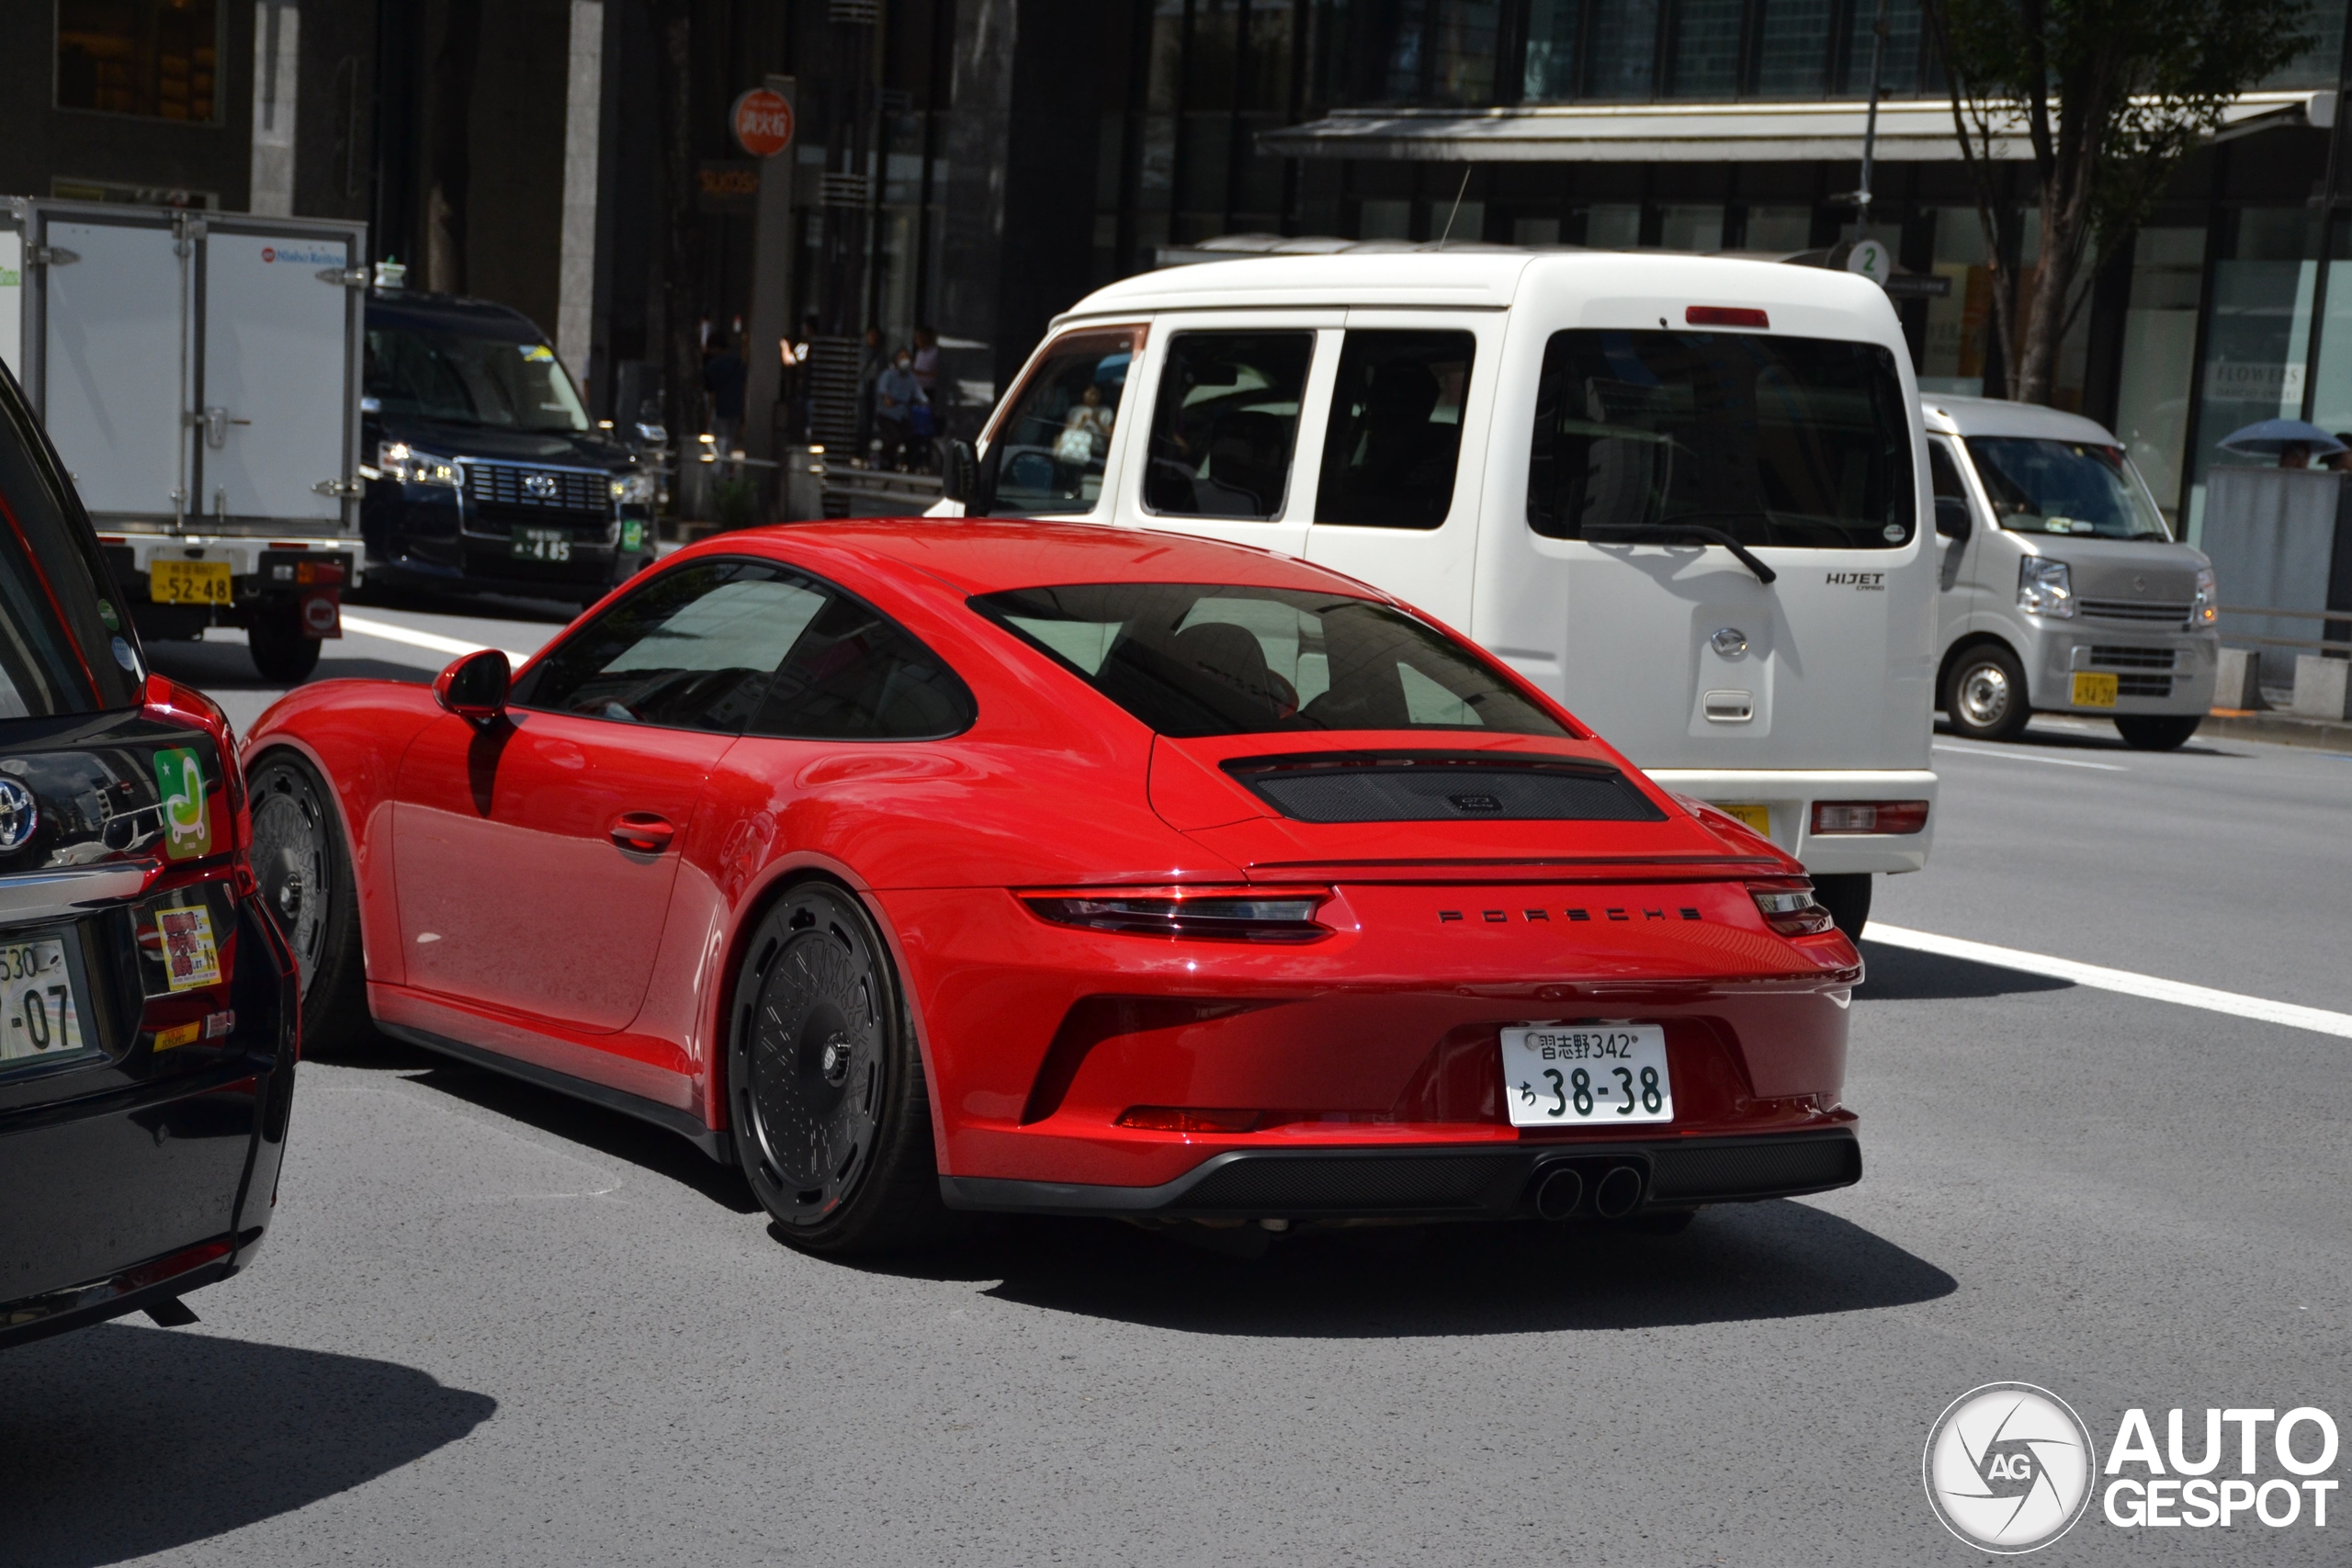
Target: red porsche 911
998, 866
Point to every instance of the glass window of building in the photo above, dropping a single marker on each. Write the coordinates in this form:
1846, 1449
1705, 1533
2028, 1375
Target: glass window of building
1951, 355
1552, 57
1791, 49
2257, 333
1624, 53
1706, 48
159, 58
1690, 228
2159, 368
1225, 424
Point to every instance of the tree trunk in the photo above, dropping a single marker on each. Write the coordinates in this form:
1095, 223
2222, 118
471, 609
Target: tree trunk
681, 262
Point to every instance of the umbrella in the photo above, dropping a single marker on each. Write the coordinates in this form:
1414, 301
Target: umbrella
2265, 438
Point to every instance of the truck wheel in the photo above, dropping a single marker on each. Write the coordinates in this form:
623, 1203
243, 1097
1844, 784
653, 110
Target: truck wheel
1986, 696
1847, 895
2157, 731
280, 651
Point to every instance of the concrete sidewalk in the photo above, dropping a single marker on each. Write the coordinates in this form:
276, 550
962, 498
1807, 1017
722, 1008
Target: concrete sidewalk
2278, 729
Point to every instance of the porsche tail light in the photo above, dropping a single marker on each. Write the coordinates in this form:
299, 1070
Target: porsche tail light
1186, 1119
1788, 908
171, 702
1869, 815
1274, 914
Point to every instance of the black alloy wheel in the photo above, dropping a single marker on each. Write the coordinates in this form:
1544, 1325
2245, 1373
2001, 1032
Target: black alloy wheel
281, 652
304, 870
1984, 697
826, 1097
2157, 731
1847, 895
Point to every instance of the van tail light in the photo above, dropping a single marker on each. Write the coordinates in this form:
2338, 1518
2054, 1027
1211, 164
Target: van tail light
168, 702
1727, 316
1271, 914
1788, 908
1869, 815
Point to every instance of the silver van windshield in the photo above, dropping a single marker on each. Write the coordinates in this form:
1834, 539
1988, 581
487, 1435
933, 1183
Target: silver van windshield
2064, 487
1771, 440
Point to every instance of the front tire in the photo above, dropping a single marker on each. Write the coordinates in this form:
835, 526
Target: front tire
1984, 697
825, 1087
303, 868
2157, 731
1847, 895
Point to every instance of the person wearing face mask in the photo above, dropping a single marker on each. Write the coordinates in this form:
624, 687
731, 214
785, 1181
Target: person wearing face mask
897, 394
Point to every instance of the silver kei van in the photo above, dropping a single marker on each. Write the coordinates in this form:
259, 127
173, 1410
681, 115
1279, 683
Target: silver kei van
2061, 589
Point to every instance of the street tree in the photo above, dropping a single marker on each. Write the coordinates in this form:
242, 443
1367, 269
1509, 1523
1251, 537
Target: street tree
2108, 96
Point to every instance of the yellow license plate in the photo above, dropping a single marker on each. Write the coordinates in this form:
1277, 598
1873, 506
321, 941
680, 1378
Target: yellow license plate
188, 582
2094, 691
1757, 817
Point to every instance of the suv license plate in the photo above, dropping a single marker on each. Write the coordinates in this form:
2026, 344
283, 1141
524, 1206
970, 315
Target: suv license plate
2094, 691
1577, 1075
40, 1007
188, 582
542, 544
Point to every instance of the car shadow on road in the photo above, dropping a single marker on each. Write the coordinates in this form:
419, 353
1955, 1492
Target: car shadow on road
226, 666
118, 1441
1905, 975
1736, 1262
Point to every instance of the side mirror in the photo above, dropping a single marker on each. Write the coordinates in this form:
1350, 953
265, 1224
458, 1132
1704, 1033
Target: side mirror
1951, 517
474, 685
958, 468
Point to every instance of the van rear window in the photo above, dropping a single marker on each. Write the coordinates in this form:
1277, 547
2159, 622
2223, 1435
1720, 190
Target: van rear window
1794, 442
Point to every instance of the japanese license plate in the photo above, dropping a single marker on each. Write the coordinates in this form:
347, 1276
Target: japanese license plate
2094, 691
40, 1007
1757, 817
1578, 1075
542, 544
188, 582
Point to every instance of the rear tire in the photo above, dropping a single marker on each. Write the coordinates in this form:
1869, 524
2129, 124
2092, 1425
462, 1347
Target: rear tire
1984, 697
303, 867
280, 651
2157, 732
1847, 896
824, 1086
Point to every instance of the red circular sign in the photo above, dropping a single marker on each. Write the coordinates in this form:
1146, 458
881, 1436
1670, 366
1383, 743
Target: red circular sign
762, 122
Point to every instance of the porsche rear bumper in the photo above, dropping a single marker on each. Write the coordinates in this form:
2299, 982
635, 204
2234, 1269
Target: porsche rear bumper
1460, 1182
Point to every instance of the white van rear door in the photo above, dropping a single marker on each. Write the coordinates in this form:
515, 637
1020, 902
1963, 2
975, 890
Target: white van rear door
113, 363
275, 364
1231, 426
1398, 476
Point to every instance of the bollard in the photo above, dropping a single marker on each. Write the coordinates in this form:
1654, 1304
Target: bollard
2237, 678
2321, 687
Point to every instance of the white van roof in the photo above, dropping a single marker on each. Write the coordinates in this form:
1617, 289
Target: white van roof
1996, 416
1486, 277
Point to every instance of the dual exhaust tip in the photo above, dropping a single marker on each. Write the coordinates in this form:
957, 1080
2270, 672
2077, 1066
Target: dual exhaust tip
1614, 1188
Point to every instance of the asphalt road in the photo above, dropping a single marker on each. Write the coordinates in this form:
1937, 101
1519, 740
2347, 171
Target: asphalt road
493, 1326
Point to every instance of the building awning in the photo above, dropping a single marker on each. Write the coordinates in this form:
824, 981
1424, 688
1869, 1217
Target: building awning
1910, 131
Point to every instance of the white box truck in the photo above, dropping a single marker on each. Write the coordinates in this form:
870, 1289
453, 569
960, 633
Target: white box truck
199, 375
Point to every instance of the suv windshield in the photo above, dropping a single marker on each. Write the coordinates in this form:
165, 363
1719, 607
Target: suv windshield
64, 645
2064, 487
1771, 440
1191, 659
458, 378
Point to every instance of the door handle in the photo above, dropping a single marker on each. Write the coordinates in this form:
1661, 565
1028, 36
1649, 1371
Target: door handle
641, 832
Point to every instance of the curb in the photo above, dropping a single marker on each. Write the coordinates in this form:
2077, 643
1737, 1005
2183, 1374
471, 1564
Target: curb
2278, 729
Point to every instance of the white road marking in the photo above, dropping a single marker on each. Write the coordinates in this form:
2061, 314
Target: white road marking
393, 631
2148, 986
2020, 756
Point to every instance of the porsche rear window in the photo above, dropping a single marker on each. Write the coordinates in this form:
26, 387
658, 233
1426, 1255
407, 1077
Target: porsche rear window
1195, 659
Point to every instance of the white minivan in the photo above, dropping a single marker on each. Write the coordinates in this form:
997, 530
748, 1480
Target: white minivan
2061, 588
1685, 495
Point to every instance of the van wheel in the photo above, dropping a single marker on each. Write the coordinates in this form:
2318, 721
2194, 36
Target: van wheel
2157, 731
280, 651
1985, 698
1847, 895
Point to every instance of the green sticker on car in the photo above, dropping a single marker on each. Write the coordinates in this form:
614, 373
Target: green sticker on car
179, 784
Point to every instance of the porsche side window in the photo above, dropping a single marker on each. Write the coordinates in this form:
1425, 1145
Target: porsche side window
1225, 424
1055, 436
856, 675
695, 648
1395, 432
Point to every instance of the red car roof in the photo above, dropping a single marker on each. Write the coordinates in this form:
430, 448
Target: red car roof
987, 555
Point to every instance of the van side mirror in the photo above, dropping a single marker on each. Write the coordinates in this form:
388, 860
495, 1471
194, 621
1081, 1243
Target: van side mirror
1951, 517
971, 481
958, 469
474, 685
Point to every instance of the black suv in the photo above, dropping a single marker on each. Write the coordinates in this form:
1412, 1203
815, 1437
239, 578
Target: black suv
487, 475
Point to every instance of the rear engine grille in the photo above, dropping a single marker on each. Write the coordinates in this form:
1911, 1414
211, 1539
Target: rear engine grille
1420, 787
2129, 658
1754, 1170
1352, 1186
2171, 612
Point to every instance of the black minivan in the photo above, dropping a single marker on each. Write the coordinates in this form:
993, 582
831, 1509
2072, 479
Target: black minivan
485, 473
147, 1009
